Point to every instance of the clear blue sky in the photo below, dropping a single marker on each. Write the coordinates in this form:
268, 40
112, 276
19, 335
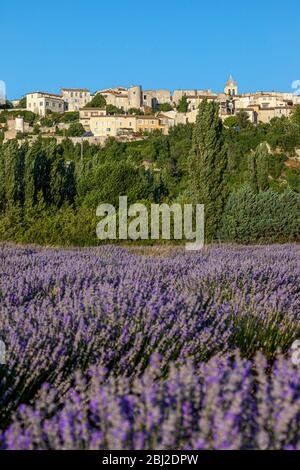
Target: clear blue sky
159, 44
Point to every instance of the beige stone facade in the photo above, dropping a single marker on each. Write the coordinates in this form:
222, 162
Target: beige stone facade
40, 103
124, 98
152, 98
85, 115
75, 98
113, 126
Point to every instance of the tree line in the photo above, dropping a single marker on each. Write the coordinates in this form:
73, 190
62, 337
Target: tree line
242, 173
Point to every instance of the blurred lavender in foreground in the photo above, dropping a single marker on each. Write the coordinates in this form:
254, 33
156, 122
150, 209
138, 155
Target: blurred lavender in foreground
109, 349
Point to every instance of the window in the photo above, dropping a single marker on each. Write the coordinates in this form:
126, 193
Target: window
47, 103
41, 103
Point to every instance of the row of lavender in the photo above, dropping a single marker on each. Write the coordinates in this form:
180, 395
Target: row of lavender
109, 349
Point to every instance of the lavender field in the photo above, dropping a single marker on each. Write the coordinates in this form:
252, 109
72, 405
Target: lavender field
109, 349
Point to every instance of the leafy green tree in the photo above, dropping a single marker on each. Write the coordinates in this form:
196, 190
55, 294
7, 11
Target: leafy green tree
208, 164
14, 160
62, 182
259, 168
111, 109
37, 170
262, 165
112, 179
231, 121
135, 111
164, 107
295, 116
76, 129
98, 101
22, 103
242, 119
70, 116
183, 105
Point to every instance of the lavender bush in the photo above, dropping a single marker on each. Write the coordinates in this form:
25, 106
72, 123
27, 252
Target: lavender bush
106, 348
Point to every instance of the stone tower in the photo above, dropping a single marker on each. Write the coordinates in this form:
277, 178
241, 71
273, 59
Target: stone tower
135, 97
231, 88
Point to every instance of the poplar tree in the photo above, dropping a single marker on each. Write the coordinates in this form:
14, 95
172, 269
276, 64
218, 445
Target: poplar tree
14, 158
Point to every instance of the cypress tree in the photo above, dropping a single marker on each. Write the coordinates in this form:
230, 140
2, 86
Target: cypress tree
262, 165
259, 168
208, 164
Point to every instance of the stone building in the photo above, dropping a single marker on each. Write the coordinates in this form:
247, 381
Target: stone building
40, 102
135, 97
120, 125
75, 98
153, 98
85, 115
178, 94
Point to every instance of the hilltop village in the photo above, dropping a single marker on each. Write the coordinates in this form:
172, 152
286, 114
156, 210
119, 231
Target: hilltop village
128, 113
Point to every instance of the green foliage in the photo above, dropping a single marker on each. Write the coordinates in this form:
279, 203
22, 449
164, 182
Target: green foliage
293, 178
110, 180
266, 216
22, 103
164, 107
295, 117
283, 133
111, 110
28, 116
231, 121
49, 191
242, 119
76, 129
183, 105
97, 102
70, 116
3, 117
259, 168
135, 111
